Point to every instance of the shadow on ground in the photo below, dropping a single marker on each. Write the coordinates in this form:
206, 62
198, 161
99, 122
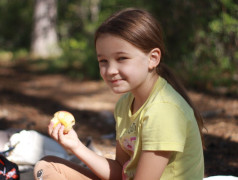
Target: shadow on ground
28, 101
221, 156
90, 121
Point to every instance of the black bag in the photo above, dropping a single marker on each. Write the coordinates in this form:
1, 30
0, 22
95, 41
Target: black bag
8, 170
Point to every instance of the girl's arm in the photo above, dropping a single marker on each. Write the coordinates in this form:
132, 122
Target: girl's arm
100, 166
152, 164
104, 168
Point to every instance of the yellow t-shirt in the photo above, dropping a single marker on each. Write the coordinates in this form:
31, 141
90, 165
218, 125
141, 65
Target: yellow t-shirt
165, 122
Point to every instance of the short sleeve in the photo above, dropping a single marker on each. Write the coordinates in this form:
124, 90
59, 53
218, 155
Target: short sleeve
164, 128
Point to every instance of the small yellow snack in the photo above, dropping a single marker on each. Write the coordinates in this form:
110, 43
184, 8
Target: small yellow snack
65, 118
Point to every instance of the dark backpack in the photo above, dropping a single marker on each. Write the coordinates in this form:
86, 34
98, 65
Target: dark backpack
8, 170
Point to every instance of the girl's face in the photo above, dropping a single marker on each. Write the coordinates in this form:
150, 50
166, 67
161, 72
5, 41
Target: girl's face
123, 66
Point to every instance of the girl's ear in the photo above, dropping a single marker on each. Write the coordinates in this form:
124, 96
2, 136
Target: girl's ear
154, 58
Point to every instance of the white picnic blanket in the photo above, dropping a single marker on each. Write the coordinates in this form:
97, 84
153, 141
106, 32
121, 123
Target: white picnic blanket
30, 146
221, 178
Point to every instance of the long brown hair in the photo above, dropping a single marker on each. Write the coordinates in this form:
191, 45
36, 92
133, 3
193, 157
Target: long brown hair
141, 29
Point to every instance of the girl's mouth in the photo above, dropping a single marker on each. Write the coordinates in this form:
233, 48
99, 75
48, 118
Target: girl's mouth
115, 81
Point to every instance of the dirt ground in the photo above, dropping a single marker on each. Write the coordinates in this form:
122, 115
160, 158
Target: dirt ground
29, 100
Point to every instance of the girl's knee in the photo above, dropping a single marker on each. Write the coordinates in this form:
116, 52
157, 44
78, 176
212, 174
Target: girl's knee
50, 159
45, 162
44, 166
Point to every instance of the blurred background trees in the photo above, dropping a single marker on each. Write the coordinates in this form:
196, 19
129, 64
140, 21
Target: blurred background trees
201, 37
44, 39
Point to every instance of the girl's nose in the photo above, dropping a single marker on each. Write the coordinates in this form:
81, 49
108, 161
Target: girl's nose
112, 69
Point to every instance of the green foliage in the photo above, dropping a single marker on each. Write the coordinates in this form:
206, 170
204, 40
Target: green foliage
216, 46
16, 22
79, 57
202, 40
201, 36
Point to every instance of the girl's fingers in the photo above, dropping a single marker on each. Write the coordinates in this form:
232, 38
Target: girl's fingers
55, 132
61, 132
50, 128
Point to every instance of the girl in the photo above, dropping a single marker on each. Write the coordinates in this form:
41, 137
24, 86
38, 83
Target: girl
158, 130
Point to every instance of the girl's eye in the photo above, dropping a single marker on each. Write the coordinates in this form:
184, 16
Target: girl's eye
102, 61
121, 58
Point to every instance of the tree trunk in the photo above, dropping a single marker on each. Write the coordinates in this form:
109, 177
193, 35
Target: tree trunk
44, 37
94, 10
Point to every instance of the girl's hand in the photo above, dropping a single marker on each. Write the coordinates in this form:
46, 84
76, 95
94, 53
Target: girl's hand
69, 141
